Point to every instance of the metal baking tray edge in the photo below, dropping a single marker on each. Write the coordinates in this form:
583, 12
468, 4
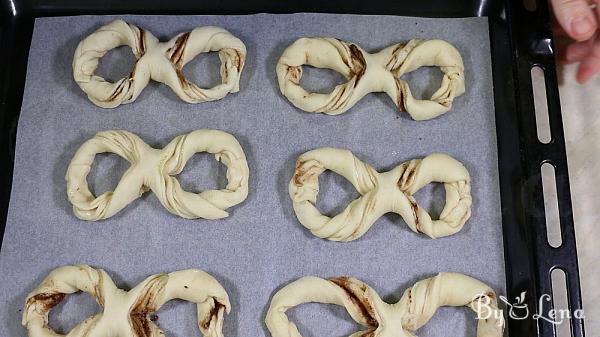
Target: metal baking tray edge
520, 39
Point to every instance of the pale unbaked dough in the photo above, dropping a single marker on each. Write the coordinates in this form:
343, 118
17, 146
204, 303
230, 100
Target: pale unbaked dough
126, 313
381, 193
366, 73
416, 307
159, 61
155, 169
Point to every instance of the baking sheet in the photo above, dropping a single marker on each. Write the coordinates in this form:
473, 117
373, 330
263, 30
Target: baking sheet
261, 246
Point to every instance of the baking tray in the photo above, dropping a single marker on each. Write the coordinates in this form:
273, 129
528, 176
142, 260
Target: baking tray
520, 39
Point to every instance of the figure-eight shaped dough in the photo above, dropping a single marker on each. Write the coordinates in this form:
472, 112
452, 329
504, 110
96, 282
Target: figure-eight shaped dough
160, 61
381, 193
126, 313
368, 73
154, 169
416, 307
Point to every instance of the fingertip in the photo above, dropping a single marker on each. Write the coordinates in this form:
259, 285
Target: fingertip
576, 17
562, 56
576, 52
590, 65
584, 73
583, 27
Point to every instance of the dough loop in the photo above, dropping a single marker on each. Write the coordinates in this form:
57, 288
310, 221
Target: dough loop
416, 307
126, 313
154, 169
366, 73
160, 61
381, 193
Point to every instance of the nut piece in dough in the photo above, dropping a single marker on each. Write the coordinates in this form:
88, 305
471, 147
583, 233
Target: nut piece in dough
366, 73
416, 307
159, 61
155, 169
126, 313
381, 193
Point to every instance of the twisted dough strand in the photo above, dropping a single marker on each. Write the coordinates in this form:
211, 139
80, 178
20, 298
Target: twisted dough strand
381, 193
416, 307
366, 73
153, 169
126, 313
160, 61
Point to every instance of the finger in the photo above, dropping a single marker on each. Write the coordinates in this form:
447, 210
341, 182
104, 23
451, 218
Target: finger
576, 18
590, 65
557, 29
560, 48
562, 42
578, 51
561, 58
595, 7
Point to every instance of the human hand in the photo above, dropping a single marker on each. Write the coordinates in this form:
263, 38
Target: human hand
577, 38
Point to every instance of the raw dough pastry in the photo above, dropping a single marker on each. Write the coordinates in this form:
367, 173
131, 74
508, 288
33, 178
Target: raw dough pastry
416, 307
160, 61
381, 193
368, 73
154, 169
126, 313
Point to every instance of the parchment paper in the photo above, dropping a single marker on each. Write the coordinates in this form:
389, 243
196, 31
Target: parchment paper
261, 246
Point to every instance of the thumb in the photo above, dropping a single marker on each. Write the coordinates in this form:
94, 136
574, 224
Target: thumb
576, 18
